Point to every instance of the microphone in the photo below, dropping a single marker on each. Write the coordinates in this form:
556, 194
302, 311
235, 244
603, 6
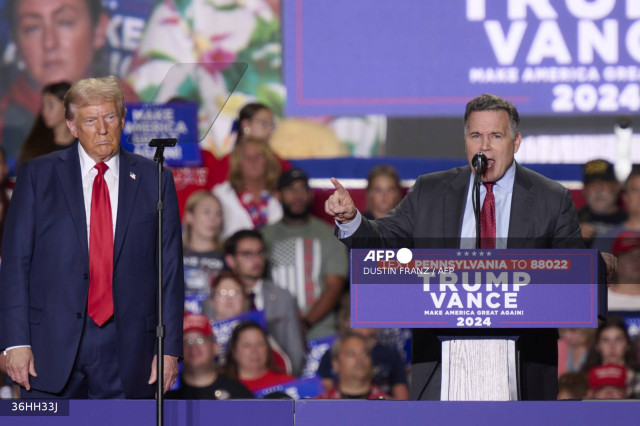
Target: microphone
479, 163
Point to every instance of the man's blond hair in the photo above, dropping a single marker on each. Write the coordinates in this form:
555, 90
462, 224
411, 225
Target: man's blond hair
92, 91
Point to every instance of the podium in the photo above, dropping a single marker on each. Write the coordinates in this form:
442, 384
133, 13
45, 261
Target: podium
478, 302
479, 369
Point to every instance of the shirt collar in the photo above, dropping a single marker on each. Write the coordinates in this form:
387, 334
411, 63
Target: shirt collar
506, 181
87, 163
257, 289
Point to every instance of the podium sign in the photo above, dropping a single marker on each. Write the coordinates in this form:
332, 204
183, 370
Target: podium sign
474, 289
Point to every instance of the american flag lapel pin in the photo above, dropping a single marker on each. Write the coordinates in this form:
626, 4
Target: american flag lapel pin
132, 175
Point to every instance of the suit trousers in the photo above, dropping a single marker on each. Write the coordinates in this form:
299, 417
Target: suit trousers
95, 373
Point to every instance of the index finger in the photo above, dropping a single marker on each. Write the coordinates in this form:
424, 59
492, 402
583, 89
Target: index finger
337, 184
20, 376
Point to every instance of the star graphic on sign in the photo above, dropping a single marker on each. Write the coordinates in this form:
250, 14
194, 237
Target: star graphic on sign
481, 253
459, 253
473, 253
466, 253
488, 253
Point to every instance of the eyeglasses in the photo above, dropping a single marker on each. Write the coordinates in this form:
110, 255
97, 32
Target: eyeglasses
266, 124
224, 293
259, 253
198, 341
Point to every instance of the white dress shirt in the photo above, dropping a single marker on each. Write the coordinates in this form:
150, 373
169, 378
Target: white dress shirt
502, 192
258, 295
111, 177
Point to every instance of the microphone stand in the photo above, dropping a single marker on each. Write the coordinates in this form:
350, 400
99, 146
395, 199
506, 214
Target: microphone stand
476, 205
160, 144
479, 164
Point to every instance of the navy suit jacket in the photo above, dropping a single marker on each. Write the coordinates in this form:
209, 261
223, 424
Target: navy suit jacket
430, 216
44, 278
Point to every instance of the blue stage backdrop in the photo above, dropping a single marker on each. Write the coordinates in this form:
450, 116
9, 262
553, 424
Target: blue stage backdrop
429, 57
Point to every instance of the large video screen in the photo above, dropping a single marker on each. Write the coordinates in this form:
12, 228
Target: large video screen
429, 57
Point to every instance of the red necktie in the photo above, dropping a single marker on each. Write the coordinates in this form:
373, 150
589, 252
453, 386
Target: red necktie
488, 218
100, 304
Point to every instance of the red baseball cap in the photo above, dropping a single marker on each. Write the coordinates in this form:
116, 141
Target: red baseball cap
608, 375
199, 323
625, 241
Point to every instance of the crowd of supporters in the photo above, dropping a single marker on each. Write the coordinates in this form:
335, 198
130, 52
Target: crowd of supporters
266, 286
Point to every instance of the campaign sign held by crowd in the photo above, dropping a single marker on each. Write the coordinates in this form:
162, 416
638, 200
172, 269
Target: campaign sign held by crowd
179, 120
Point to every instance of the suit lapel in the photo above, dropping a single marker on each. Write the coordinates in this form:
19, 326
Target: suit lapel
70, 176
453, 208
127, 189
522, 201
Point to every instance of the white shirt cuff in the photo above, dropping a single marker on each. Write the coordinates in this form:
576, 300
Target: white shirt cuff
345, 230
13, 347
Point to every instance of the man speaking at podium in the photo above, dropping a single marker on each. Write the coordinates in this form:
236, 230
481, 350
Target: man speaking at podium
78, 282
520, 209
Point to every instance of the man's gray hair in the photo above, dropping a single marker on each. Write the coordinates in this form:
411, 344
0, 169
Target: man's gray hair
487, 102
